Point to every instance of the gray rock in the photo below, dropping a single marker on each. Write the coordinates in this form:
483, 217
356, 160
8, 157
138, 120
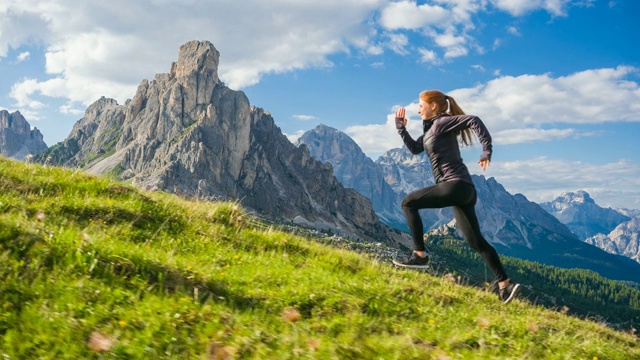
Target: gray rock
623, 240
17, 139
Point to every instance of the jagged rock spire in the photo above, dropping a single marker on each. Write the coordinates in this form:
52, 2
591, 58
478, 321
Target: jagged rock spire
17, 139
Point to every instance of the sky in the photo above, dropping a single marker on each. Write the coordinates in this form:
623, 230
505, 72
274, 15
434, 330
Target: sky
555, 81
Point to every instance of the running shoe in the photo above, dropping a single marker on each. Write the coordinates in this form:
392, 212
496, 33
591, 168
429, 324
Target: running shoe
413, 261
509, 292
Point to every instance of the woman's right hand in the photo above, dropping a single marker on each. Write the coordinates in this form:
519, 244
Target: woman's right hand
401, 121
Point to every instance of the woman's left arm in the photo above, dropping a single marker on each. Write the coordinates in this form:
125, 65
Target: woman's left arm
461, 122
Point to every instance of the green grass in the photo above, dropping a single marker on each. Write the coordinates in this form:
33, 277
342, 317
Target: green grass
155, 276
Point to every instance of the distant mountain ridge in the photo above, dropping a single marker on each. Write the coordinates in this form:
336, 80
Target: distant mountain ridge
614, 231
582, 215
185, 132
515, 225
623, 240
17, 139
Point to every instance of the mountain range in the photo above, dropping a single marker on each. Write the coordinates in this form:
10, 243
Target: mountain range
185, 132
615, 231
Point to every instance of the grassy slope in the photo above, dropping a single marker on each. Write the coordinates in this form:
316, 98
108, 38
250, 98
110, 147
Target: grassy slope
93, 268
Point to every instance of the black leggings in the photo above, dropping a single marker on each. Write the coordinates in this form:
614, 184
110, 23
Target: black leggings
462, 196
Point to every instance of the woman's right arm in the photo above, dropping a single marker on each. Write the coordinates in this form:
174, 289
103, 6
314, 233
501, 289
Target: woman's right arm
415, 146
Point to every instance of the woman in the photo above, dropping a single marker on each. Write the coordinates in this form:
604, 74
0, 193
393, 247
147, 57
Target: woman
454, 186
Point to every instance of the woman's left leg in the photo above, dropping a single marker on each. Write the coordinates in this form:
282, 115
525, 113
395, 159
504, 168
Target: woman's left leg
465, 215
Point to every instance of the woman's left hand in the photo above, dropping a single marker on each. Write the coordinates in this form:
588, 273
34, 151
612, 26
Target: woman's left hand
484, 164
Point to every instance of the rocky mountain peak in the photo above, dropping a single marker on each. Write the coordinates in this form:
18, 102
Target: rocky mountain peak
582, 215
185, 132
329, 144
197, 57
17, 139
577, 197
623, 240
354, 169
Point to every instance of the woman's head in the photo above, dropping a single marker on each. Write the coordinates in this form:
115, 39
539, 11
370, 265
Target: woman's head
434, 102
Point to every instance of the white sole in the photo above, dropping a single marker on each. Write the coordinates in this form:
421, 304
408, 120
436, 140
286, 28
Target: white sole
410, 266
514, 292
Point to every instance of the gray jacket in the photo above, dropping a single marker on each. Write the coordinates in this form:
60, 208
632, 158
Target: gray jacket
441, 144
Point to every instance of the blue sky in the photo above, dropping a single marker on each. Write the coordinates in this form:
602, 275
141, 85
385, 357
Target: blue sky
556, 81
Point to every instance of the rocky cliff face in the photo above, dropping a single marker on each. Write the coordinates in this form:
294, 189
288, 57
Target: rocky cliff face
186, 132
404, 171
623, 240
17, 139
582, 215
354, 170
514, 220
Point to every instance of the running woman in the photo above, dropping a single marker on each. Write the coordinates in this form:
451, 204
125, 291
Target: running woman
453, 187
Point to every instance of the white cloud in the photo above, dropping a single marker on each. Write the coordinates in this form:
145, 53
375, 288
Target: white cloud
445, 25
456, 51
22, 92
70, 109
375, 139
427, 56
496, 44
513, 31
410, 15
105, 49
516, 109
23, 56
530, 100
521, 7
520, 136
398, 43
449, 40
295, 136
374, 50
615, 184
305, 117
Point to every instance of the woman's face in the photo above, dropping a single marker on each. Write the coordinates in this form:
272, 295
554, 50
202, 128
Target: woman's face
426, 110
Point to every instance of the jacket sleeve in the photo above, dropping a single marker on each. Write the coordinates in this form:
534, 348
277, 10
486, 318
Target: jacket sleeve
461, 122
415, 146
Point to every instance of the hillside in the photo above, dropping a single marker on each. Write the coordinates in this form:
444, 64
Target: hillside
93, 268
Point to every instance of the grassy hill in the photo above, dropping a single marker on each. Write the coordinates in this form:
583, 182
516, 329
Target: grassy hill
93, 268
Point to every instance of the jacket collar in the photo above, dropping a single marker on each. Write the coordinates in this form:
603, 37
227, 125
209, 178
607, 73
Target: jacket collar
426, 124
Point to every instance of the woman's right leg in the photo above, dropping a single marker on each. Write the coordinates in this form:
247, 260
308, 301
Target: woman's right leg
432, 197
468, 224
